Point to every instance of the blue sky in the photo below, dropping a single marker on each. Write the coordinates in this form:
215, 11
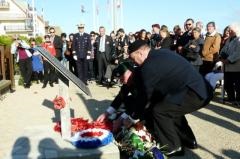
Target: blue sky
138, 14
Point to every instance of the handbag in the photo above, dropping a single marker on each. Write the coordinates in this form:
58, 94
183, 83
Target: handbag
191, 56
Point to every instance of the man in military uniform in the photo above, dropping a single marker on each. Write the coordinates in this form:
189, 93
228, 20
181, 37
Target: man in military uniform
81, 52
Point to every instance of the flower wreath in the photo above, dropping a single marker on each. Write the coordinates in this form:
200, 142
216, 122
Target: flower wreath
88, 134
92, 138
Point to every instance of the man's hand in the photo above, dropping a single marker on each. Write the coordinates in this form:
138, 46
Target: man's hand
127, 123
192, 46
117, 125
103, 117
225, 61
75, 57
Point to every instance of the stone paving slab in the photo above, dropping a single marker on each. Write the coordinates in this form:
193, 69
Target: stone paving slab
42, 143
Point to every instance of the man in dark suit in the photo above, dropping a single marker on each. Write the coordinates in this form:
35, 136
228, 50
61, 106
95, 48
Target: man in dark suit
104, 45
58, 45
173, 88
81, 52
57, 42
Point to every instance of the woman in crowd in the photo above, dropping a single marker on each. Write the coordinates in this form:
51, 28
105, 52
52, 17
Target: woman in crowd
193, 49
230, 56
225, 37
20, 48
166, 41
37, 63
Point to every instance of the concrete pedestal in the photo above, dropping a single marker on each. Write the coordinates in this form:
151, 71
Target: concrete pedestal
41, 142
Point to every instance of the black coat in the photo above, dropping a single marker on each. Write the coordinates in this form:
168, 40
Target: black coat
58, 45
166, 43
167, 76
109, 47
139, 98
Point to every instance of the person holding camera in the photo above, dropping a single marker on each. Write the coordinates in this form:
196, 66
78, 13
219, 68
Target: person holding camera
20, 47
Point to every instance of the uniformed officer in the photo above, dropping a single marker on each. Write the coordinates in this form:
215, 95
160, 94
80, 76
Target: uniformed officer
81, 52
173, 88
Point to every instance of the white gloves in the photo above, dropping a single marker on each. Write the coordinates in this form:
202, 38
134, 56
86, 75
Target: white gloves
75, 57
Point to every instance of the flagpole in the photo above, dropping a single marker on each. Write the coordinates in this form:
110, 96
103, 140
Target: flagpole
114, 16
34, 18
94, 15
121, 10
97, 7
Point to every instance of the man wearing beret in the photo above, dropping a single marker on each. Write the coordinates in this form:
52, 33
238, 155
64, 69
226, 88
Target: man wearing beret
173, 88
129, 77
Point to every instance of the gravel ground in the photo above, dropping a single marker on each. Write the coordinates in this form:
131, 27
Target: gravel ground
216, 127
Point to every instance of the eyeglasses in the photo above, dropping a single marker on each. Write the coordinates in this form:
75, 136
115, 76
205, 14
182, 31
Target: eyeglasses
189, 24
52, 32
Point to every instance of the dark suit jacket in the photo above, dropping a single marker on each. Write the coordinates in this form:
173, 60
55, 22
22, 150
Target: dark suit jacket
58, 45
139, 99
109, 50
167, 76
81, 45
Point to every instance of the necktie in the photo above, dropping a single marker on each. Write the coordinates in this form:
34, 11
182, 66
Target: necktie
102, 49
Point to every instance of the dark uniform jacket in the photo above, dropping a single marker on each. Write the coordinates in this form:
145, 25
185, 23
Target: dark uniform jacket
82, 45
109, 49
168, 76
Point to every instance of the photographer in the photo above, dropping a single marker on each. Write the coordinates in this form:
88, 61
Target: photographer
24, 60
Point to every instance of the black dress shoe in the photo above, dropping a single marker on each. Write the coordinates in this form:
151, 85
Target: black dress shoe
176, 152
190, 144
51, 84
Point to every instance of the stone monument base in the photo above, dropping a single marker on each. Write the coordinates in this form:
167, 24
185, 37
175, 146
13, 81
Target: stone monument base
41, 142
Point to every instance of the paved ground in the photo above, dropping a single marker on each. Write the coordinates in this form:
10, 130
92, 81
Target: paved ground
217, 127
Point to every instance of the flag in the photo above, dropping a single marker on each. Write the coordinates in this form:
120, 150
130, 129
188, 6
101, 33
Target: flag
118, 4
97, 9
83, 9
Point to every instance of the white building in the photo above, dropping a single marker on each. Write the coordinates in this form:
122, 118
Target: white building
16, 17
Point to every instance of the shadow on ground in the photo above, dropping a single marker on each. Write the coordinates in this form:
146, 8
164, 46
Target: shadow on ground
47, 148
94, 107
233, 115
49, 104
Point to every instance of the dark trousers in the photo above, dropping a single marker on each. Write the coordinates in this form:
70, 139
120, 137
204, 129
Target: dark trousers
168, 122
82, 68
232, 85
25, 66
49, 73
72, 66
109, 70
102, 65
206, 67
90, 69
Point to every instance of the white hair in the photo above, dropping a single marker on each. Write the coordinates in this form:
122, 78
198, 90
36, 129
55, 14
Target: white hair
236, 28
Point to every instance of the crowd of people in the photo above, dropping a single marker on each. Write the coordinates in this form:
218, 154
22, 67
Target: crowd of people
168, 74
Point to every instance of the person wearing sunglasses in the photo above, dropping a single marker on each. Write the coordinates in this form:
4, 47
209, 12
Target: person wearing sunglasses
187, 35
